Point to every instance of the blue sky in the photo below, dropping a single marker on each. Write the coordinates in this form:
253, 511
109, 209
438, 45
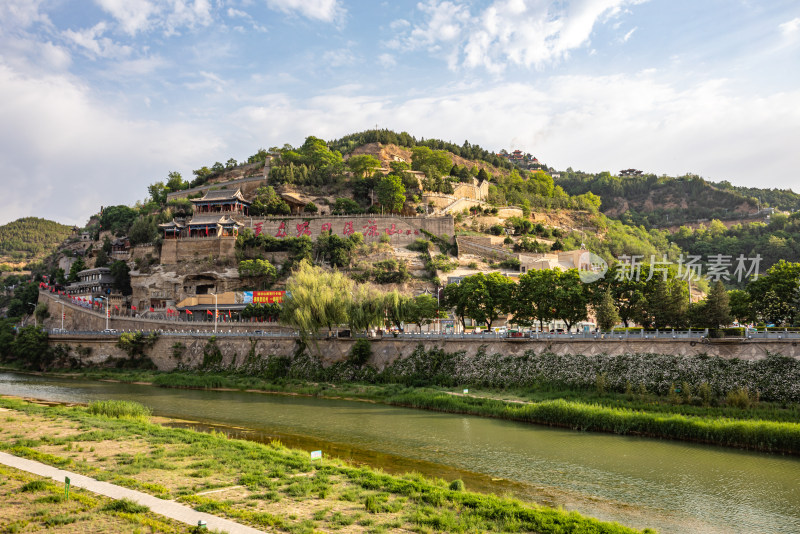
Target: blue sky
99, 99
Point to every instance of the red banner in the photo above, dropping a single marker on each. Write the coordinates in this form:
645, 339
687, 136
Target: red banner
268, 297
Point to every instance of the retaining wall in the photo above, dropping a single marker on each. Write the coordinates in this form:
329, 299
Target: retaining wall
386, 350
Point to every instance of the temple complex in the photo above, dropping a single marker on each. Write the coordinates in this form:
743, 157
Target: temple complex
222, 201
214, 216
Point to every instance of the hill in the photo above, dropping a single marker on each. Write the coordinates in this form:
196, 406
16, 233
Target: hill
30, 238
664, 201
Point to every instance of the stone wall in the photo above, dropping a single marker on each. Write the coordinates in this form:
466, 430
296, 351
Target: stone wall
387, 350
78, 318
401, 230
247, 184
174, 251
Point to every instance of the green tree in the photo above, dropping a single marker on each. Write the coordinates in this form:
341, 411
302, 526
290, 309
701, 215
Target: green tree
423, 310
717, 310
175, 182
363, 165
456, 299
122, 278
40, 313
606, 313
158, 192
391, 193
268, 202
365, 309
117, 219
144, 230
261, 272
30, 347
534, 298
77, 266
398, 308
318, 299
434, 163
346, 206
771, 295
570, 298
489, 297
741, 309
101, 258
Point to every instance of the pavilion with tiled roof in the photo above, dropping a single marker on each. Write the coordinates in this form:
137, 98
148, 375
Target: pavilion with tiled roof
222, 201
172, 229
213, 226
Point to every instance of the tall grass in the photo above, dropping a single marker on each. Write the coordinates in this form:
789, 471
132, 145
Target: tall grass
120, 409
767, 436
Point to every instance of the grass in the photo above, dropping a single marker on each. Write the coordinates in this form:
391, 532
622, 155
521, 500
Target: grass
32, 504
271, 486
120, 409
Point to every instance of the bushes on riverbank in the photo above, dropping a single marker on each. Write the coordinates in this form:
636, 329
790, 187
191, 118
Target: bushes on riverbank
697, 379
749, 434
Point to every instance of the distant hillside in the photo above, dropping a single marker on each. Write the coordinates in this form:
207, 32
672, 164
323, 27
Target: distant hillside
30, 238
783, 199
467, 151
655, 201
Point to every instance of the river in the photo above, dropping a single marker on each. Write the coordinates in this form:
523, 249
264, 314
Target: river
640, 482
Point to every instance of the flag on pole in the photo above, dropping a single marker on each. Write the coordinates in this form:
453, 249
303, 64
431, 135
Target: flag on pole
133, 307
188, 312
209, 312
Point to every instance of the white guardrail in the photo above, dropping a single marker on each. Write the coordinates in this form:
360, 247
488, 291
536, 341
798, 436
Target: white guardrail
665, 335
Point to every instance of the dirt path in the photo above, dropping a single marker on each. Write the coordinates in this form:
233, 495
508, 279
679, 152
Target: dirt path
169, 509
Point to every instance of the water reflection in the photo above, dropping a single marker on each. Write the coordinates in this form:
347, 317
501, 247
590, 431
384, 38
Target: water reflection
672, 486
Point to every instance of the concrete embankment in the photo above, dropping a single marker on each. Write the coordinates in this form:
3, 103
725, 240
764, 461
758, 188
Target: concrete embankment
171, 349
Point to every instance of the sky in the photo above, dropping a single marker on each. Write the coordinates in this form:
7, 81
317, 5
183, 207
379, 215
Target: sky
101, 98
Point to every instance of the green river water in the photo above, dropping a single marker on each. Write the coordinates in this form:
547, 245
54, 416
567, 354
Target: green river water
640, 482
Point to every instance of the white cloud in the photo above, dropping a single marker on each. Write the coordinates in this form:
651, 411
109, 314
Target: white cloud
790, 28
92, 41
338, 58
588, 123
387, 60
135, 16
628, 35
324, 10
516, 32
22, 14
64, 153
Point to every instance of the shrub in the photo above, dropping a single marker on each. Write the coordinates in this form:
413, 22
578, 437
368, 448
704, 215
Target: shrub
35, 485
457, 485
740, 398
360, 353
125, 506
119, 409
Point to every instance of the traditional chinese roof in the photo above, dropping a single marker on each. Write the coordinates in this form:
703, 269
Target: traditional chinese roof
173, 224
213, 220
222, 195
294, 199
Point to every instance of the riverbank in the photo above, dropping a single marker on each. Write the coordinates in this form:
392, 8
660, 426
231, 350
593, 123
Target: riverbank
264, 485
760, 426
